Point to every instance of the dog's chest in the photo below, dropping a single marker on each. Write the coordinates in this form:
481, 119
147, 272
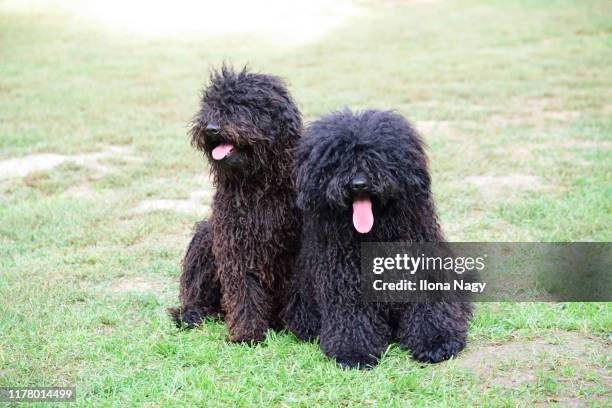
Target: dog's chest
255, 221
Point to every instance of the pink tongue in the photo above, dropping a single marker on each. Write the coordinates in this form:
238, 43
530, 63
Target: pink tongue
221, 151
363, 219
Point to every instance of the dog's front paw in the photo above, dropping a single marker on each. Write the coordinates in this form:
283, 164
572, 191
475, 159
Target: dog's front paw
437, 351
185, 318
353, 364
358, 361
250, 337
190, 317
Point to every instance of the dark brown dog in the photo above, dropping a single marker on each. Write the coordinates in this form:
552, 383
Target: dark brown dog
238, 264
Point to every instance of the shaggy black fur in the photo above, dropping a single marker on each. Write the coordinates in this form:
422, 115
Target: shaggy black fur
382, 149
238, 264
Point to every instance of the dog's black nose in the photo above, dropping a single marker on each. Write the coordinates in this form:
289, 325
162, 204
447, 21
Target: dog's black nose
212, 128
213, 133
359, 184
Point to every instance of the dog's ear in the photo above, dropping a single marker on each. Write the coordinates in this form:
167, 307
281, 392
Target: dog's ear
301, 201
292, 119
303, 171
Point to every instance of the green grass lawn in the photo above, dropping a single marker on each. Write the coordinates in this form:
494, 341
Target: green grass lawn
514, 99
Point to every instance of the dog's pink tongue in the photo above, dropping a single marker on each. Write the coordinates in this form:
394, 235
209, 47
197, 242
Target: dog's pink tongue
221, 151
363, 219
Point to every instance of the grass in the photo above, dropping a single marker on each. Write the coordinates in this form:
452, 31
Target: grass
513, 98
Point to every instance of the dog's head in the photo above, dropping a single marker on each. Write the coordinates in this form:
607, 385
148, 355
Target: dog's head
364, 165
246, 125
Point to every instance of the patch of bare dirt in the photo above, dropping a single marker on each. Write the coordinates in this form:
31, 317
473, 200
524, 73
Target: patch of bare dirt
193, 205
104, 329
23, 166
515, 363
176, 239
140, 284
533, 111
495, 229
584, 144
493, 187
202, 195
185, 206
443, 128
575, 402
515, 153
29, 164
81, 190
527, 151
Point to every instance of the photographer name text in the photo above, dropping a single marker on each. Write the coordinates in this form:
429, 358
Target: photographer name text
424, 285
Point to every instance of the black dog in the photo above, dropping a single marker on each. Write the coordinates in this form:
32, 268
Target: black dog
238, 265
365, 178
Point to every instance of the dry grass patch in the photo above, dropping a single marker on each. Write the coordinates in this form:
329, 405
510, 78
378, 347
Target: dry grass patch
517, 363
34, 163
493, 188
155, 284
193, 205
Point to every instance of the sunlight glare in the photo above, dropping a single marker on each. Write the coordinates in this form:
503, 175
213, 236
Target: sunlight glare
283, 21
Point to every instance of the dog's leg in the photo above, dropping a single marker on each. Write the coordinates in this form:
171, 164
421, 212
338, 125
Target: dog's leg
301, 315
355, 336
248, 307
199, 289
433, 332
